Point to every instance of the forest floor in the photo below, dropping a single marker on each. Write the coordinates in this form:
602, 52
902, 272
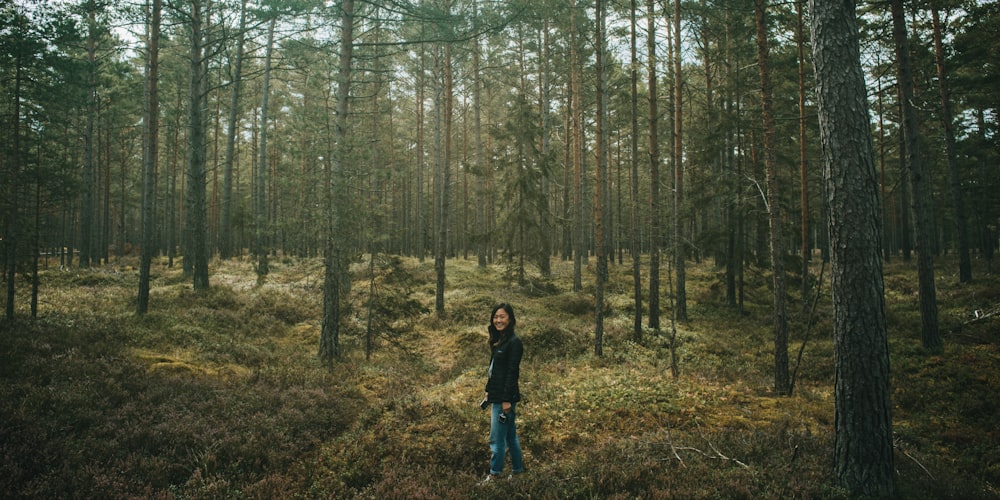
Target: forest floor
220, 394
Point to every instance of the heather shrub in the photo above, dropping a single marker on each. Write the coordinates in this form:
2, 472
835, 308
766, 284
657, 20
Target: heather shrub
219, 393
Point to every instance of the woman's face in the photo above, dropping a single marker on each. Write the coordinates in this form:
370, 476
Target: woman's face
501, 319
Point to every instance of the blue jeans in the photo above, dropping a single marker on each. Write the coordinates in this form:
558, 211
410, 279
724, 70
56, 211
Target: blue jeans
503, 436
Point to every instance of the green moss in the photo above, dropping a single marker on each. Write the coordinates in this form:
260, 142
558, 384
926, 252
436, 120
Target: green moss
219, 393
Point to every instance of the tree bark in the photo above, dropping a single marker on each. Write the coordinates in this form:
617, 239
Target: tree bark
419, 234
480, 173
781, 379
957, 194
545, 210
579, 245
226, 224
600, 186
863, 454
734, 210
654, 172
576, 105
441, 251
13, 203
800, 43
260, 181
149, 156
195, 227
634, 160
89, 182
920, 182
334, 262
680, 239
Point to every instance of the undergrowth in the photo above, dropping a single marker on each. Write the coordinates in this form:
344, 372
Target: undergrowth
219, 394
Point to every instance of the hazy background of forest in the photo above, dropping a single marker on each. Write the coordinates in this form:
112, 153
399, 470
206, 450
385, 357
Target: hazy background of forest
222, 395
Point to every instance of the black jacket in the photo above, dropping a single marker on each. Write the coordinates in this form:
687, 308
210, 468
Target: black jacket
505, 368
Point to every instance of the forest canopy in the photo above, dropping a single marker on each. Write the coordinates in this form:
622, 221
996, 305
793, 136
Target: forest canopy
500, 123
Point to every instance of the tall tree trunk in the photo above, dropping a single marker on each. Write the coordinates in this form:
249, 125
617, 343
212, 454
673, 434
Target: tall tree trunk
103, 242
261, 236
334, 262
734, 208
226, 224
888, 216
800, 43
680, 243
781, 378
568, 168
863, 453
716, 164
122, 233
520, 199
958, 197
579, 244
36, 250
171, 208
87, 203
988, 233
545, 210
920, 181
195, 226
441, 252
149, 156
13, 214
655, 232
634, 159
421, 83
904, 187
600, 186
480, 177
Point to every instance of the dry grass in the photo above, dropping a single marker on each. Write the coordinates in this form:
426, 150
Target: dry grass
219, 394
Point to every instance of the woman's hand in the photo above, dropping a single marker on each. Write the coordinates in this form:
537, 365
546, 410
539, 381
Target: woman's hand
505, 406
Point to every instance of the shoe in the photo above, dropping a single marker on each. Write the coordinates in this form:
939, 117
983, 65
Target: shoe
490, 478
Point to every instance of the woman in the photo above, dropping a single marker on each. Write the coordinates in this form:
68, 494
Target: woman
502, 392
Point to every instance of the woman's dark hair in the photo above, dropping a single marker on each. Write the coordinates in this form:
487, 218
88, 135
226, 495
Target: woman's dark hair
496, 337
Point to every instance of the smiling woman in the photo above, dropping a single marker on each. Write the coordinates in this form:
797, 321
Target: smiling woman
502, 390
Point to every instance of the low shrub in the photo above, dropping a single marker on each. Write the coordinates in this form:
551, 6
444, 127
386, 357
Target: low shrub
219, 394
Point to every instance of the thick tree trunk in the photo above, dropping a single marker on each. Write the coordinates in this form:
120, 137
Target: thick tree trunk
863, 456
